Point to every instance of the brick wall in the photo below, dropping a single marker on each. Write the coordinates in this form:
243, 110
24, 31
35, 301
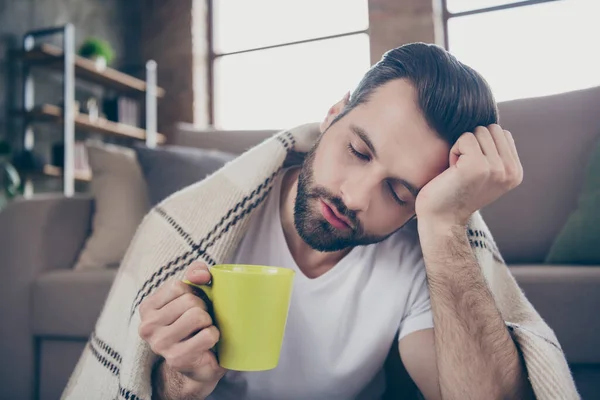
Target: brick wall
393, 23
167, 39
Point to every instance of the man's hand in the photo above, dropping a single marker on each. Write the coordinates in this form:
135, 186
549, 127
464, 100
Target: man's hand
475, 354
483, 166
177, 326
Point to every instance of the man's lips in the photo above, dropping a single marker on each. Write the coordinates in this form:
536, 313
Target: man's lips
333, 217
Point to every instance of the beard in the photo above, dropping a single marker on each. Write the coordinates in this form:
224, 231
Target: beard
310, 224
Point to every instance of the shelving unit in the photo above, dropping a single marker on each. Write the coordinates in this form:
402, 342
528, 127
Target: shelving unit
51, 170
53, 57
50, 112
73, 67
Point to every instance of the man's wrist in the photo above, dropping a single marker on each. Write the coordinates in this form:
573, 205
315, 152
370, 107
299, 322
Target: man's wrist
445, 246
437, 228
172, 385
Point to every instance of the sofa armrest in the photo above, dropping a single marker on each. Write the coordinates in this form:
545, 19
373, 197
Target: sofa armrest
567, 297
44, 232
37, 234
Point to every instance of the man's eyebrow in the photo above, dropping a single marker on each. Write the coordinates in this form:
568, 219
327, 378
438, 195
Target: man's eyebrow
362, 134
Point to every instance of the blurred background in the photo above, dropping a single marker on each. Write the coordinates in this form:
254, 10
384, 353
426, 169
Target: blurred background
109, 106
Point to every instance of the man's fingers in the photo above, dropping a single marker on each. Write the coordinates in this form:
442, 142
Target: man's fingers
164, 295
173, 310
192, 321
205, 339
501, 142
199, 344
513, 149
198, 273
466, 144
486, 142
512, 146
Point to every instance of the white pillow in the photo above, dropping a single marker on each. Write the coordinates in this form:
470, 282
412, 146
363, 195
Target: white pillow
121, 201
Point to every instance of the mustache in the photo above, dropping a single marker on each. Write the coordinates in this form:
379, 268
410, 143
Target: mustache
320, 192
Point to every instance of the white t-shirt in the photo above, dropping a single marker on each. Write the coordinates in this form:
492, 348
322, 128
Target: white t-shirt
340, 325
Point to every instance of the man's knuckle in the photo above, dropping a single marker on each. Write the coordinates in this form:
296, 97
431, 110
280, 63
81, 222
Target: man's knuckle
514, 172
161, 345
202, 317
467, 136
485, 130
516, 179
498, 172
208, 319
144, 308
202, 304
155, 349
145, 330
190, 300
214, 335
511, 173
521, 175
175, 360
179, 288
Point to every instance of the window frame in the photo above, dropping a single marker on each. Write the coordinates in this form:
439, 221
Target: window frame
213, 56
447, 15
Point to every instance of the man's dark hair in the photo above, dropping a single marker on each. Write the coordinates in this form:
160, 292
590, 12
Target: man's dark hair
453, 97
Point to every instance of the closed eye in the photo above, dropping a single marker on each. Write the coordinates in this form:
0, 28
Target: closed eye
358, 154
395, 196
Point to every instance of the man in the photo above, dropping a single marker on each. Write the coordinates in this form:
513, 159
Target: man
391, 152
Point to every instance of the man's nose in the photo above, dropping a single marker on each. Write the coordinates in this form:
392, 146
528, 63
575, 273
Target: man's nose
357, 192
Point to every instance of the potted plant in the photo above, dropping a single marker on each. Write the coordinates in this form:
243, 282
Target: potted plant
10, 181
98, 50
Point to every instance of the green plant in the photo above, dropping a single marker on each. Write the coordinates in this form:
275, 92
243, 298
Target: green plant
10, 181
95, 47
4, 148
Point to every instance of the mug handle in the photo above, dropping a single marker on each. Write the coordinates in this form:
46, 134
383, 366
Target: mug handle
205, 288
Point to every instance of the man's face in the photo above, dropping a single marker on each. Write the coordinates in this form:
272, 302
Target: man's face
359, 183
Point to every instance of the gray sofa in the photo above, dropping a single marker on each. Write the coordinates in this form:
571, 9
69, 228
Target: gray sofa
48, 310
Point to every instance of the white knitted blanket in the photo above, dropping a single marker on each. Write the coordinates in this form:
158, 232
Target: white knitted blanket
206, 221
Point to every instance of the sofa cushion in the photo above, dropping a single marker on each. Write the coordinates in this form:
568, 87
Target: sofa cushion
67, 303
578, 241
171, 168
567, 297
121, 201
555, 136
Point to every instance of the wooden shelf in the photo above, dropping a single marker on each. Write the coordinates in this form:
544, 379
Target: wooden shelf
54, 113
52, 56
51, 170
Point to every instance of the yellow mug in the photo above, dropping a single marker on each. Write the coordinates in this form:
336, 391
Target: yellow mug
250, 305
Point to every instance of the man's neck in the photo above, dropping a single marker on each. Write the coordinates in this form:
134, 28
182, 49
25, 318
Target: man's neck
311, 262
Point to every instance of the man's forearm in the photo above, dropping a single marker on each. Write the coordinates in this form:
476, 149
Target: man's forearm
476, 356
171, 385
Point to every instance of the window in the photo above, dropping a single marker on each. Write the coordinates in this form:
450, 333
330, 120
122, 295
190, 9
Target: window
527, 48
277, 64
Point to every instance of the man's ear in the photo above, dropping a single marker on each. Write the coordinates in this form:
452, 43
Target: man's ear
334, 111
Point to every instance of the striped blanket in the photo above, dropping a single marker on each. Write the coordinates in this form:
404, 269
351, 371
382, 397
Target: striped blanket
206, 221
